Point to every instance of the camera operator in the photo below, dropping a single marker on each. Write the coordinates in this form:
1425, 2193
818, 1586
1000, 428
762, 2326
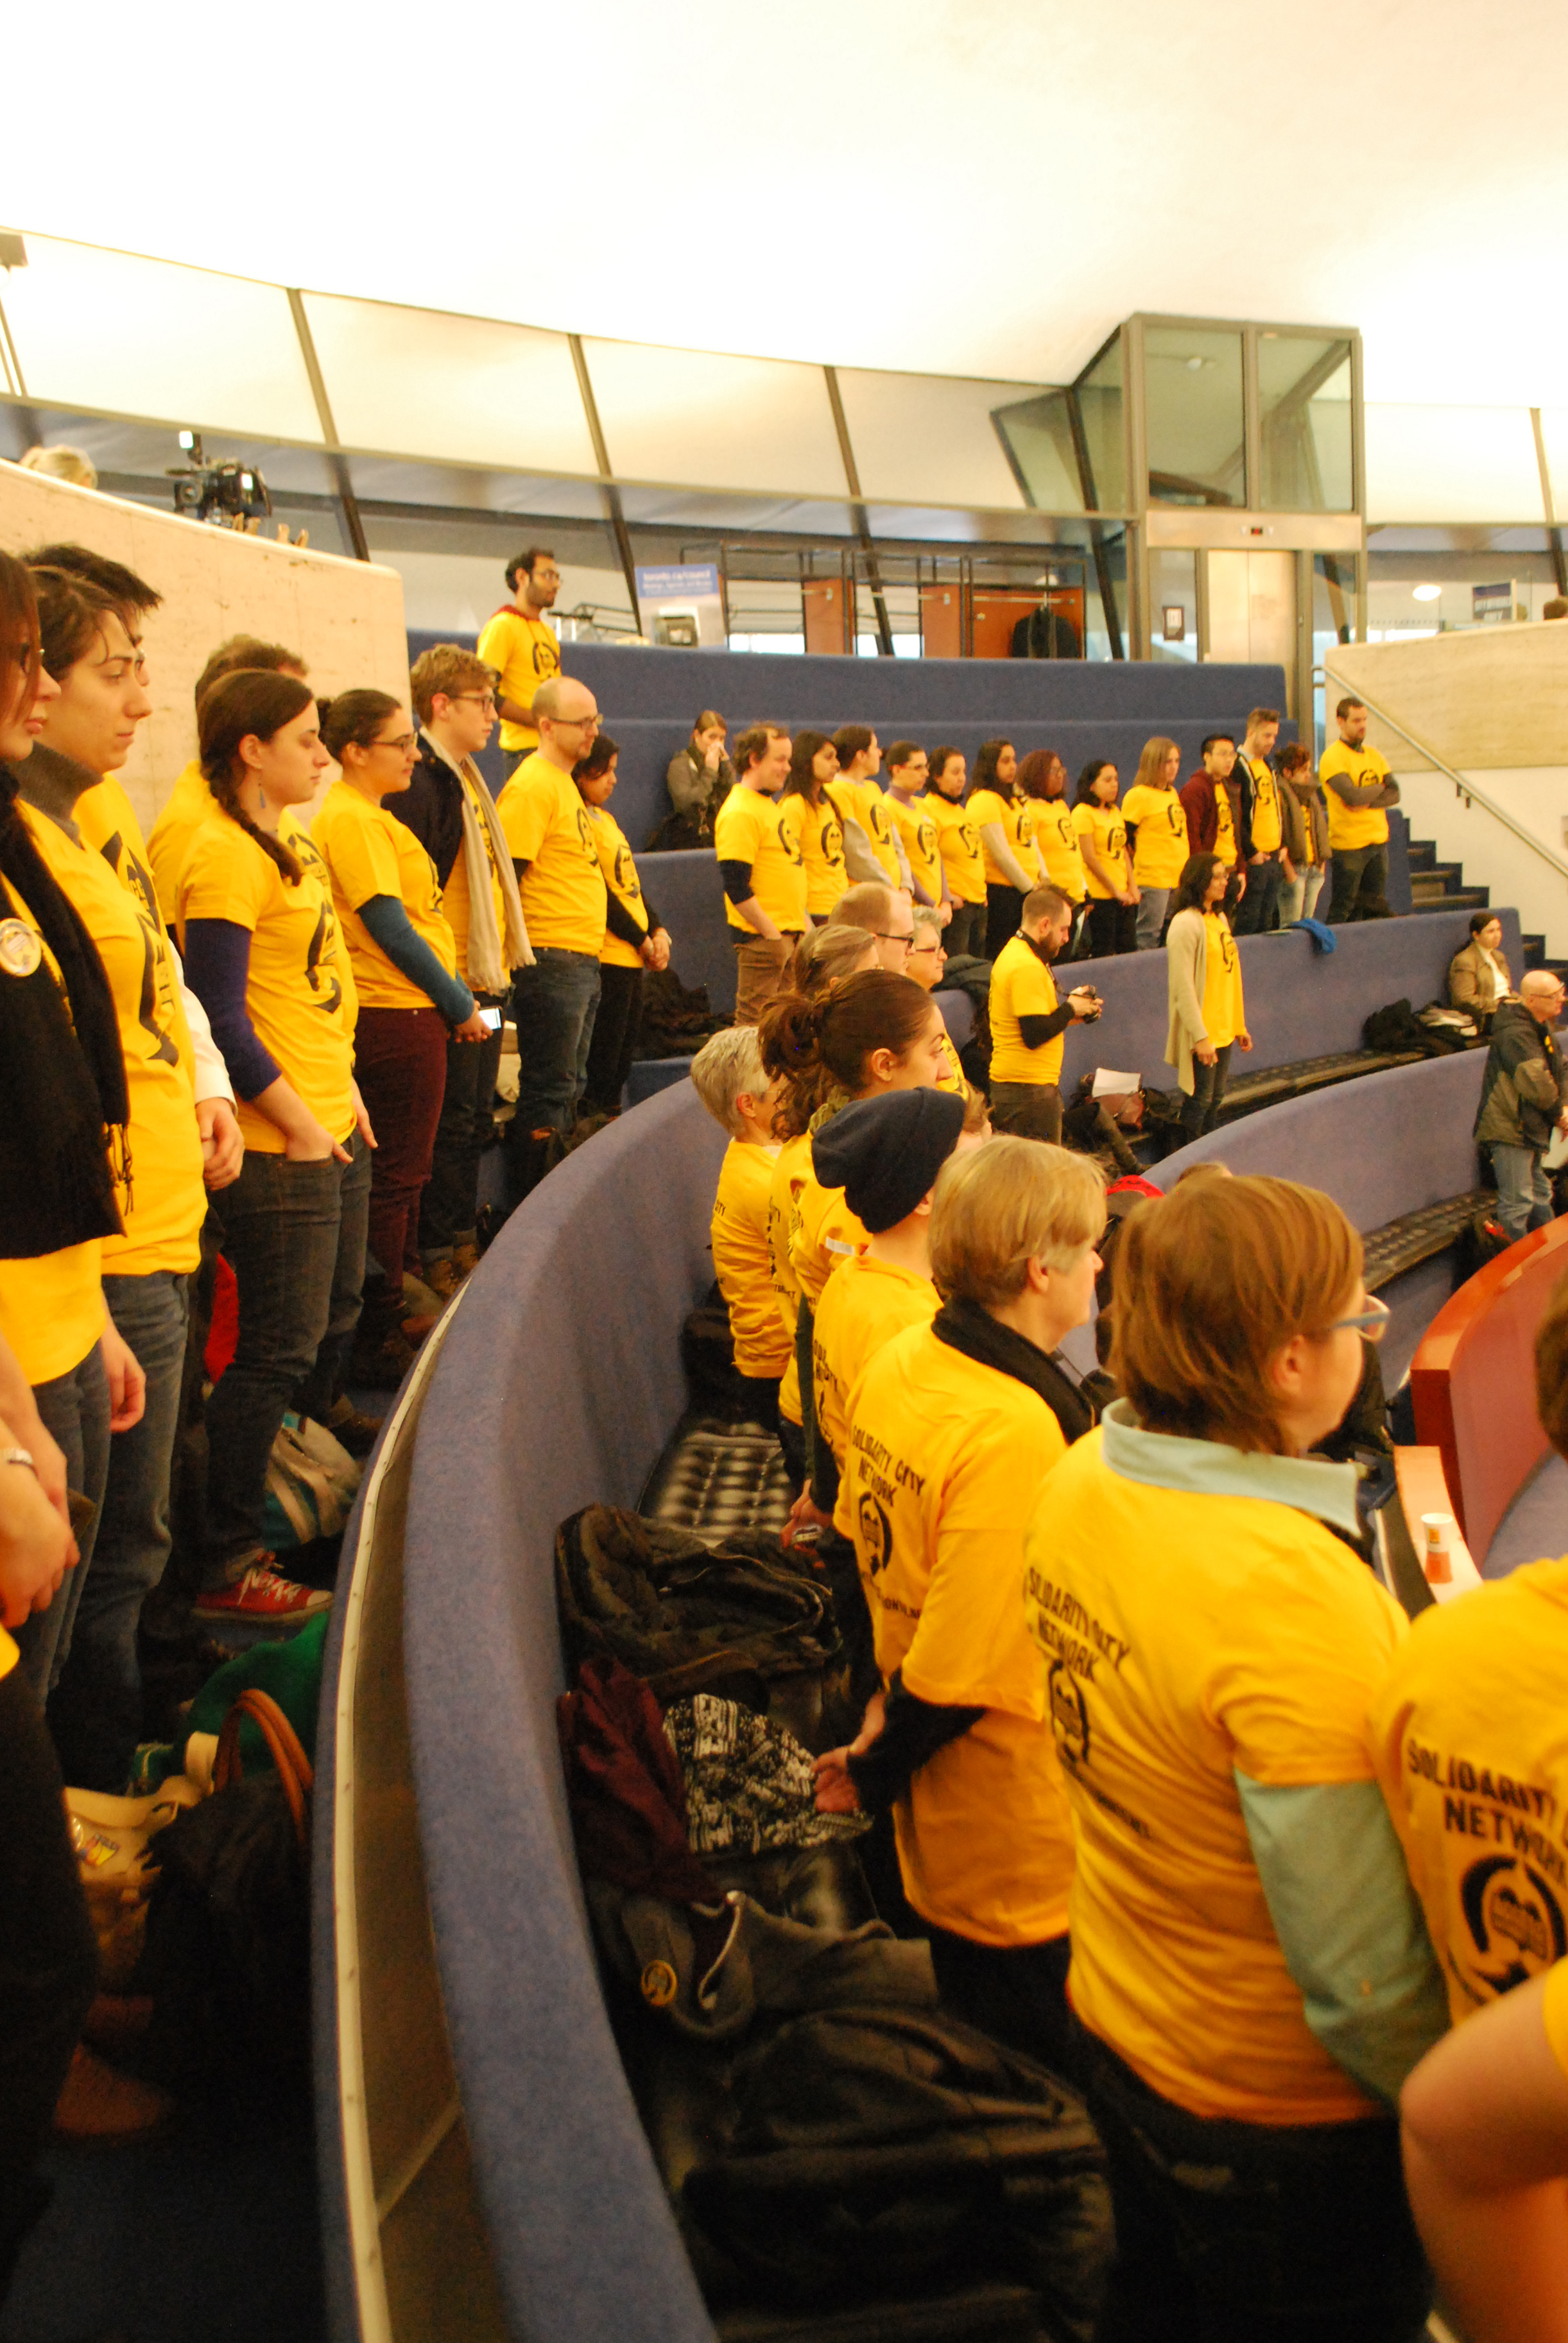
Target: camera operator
1027, 1023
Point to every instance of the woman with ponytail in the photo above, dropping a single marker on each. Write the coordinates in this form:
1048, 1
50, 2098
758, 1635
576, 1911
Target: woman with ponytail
264, 953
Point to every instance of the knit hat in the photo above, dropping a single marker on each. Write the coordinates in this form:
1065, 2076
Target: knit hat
885, 1152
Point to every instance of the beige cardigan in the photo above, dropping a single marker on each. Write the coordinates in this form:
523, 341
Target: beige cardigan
1187, 969
1471, 983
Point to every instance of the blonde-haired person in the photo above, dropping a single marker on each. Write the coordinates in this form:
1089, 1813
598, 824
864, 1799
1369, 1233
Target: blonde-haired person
1157, 819
952, 1439
1250, 1965
62, 463
1204, 971
728, 1076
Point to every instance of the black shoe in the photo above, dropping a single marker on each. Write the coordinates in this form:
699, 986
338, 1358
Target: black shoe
379, 1365
351, 1428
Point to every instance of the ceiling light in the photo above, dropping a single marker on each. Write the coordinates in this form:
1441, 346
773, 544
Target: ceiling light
1426, 593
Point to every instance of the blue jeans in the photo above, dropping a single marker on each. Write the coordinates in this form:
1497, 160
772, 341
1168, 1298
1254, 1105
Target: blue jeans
294, 1235
95, 1712
553, 1007
75, 1413
1152, 905
1201, 1112
1523, 1190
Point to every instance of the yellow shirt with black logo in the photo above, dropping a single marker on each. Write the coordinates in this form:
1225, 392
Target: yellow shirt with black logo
369, 852
945, 1462
825, 1232
1188, 1636
1554, 2013
918, 833
1225, 827
167, 1202
299, 991
1469, 1735
171, 835
1223, 1014
546, 826
741, 1259
1159, 849
863, 801
1022, 985
526, 653
820, 841
1056, 843
455, 904
752, 827
958, 843
51, 1304
1267, 832
620, 878
864, 1304
952, 1077
791, 1170
1106, 828
985, 806
1353, 826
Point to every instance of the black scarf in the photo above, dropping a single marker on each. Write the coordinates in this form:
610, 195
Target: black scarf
964, 1326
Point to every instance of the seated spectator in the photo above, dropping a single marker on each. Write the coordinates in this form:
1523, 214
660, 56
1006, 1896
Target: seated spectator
916, 831
1042, 778
871, 847
1208, 1018
449, 807
62, 463
958, 840
1249, 1971
925, 962
1005, 823
635, 937
951, 1441
1360, 789
699, 778
1524, 1099
520, 646
1269, 867
1027, 1023
813, 819
763, 870
1216, 812
727, 1076
1112, 923
1157, 819
883, 912
1477, 975
1304, 817
191, 802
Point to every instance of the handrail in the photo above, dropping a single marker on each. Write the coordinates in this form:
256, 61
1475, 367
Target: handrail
1466, 788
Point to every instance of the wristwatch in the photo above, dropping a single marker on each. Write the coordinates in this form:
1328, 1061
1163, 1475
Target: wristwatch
18, 1456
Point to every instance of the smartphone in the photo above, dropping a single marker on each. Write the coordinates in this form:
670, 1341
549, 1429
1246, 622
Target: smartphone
492, 1018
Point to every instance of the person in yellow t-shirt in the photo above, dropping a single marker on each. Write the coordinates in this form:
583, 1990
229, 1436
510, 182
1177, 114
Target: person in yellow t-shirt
1208, 1018
635, 937
1111, 926
1360, 789
1042, 778
958, 843
1004, 821
555, 998
190, 800
1269, 865
924, 961
728, 1076
1249, 1961
813, 819
871, 845
910, 815
411, 999
265, 953
1157, 821
522, 648
1028, 1022
763, 867
951, 1441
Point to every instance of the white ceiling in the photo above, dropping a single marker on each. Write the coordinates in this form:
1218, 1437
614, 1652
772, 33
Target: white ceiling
971, 187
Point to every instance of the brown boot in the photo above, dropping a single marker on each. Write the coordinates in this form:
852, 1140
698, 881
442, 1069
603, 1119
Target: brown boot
415, 1330
443, 1277
100, 2107
465, 1258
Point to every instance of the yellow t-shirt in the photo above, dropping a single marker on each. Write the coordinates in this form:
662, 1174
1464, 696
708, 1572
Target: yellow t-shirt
1223, 1014
1353, 826
986, 806
167, 1202
918, 832
819, 841
958, 843
864, 1304
1267, 832
1022, 985
619, 873
546, 826
826, 1232
945, 1462
741, 1259
52, 1305
792, 1169
526, 653
1188, 1635
169, 840
367, 852
1554, 2013
863, 801
1469, 1735
1225, 827
456, 905
1056, 843
1161, 848
752, 827
298, 992
1106, 826
952, 1077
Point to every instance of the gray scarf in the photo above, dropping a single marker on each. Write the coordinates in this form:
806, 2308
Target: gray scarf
490, 960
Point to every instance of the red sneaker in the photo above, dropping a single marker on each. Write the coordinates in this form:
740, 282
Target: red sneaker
260, 1593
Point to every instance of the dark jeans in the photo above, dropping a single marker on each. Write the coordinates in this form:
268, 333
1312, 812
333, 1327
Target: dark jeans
1017, 1994
1003, 914
1258, 907
792, 1441
96, 1710
294, 1235
1201, 1112
1112, 928
400, 1065
1252, 2233
966, 930
616, 1031
1027, 1110
450, 1211
75, 1413
48, 1959
165, 1615
1360, 875
553, 1006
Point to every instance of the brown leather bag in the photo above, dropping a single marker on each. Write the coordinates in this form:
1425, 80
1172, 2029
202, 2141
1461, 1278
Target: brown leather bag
293, 1767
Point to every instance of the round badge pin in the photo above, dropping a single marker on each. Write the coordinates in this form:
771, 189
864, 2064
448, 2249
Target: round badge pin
20, 950
660, 1984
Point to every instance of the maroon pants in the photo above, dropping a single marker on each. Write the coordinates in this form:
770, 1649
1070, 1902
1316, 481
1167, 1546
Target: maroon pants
400, 1065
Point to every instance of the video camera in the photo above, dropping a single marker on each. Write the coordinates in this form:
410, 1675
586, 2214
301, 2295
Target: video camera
228, 491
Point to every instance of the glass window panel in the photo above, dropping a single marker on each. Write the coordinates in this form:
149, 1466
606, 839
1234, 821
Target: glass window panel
687, 416
924, 440
1037, 433
145, 338
1305, 415
1193, 401
1452, 464
464, 390
1554, 435
1173, 604
1099, 392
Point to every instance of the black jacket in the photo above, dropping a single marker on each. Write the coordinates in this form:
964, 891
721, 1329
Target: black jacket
432, 806
1525, 1085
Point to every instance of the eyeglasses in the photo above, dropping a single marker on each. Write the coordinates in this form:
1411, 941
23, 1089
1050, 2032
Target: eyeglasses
882, 935
1372, 1322
572, 723
485, 700
403, 743
941, 950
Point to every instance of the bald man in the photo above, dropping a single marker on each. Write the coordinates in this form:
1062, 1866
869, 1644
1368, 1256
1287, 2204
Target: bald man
1524, 1099
555, 1001
884, 912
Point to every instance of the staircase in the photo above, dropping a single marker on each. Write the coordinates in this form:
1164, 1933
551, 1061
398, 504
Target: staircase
1437, 886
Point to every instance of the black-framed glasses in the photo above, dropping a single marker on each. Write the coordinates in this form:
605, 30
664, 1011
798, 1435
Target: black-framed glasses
403, 743
884, 937
485, 700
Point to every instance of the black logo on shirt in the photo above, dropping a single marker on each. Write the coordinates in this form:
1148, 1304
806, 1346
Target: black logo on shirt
876, 1533
1069, 1715
1514, 1920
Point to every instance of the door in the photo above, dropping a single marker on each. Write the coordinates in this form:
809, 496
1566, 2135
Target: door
1252, 611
